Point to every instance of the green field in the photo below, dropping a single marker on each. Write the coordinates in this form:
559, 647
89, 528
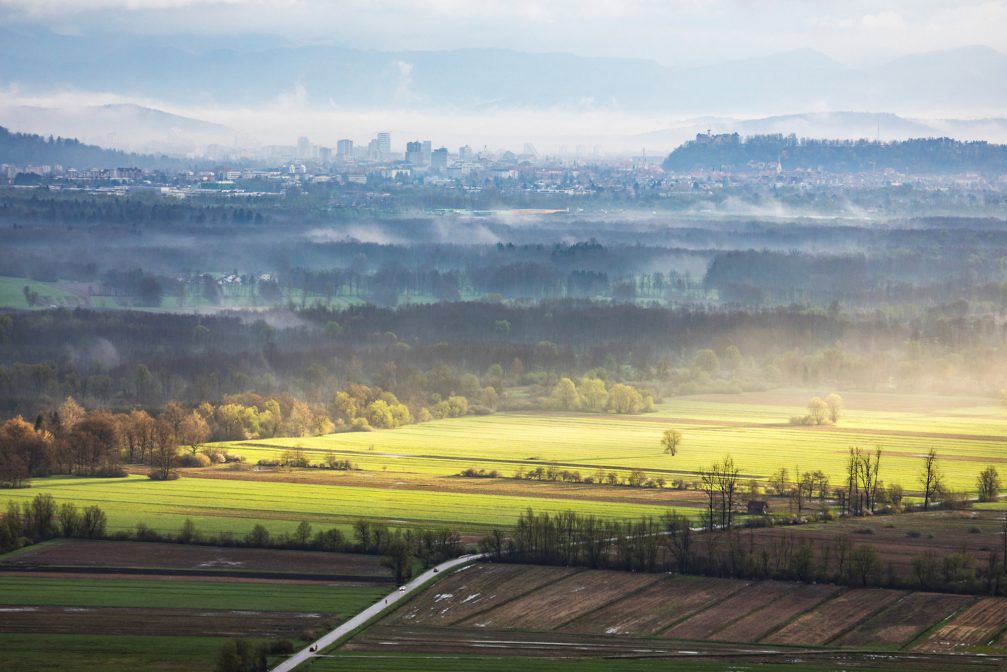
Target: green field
968, 434
219, 505
407, 476
58, 653
12, 292
78, 592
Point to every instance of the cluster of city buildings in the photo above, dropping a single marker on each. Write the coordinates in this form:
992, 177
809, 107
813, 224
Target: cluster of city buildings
380, 167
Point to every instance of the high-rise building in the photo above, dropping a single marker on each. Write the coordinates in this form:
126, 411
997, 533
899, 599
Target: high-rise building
344, 149
439, 159
304, 149
384, 145
465, 153
414, 153
427, 151
324, 154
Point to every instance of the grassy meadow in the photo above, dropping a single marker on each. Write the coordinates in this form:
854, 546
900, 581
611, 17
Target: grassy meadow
968, 434
409, 476
226, 505
57, 652
156, 594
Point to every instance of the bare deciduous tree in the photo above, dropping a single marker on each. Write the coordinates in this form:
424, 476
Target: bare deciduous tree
931, 479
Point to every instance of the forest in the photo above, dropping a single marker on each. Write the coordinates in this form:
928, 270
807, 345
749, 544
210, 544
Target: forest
916, 156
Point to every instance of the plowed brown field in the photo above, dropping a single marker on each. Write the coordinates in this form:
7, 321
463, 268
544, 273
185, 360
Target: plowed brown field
655, 608
982, 624
473, 590
905, 620
554, 605
831, 619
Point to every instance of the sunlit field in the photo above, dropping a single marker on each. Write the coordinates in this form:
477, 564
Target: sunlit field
968, 434
408, 477
235, 506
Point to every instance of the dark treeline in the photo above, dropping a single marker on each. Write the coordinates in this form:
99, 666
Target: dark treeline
671, 544
924, 155
120, 359
28, 148
905, 278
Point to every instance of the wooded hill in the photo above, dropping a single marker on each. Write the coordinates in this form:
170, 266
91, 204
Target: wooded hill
732, 152
27, 148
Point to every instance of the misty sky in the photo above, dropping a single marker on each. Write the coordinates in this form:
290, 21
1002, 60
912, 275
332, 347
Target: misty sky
673, 32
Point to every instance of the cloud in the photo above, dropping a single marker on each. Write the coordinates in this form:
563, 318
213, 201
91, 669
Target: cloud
883, 21
673, 32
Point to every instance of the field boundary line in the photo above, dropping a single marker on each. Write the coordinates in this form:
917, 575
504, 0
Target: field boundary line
926, 632
495, 460
182, 572
868, 617
631, 593
746, 615
839, 590
576, 570
661, 633
371, 614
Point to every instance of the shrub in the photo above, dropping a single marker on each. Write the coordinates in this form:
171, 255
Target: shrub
258, 537
144, 533
472, 472
194, 461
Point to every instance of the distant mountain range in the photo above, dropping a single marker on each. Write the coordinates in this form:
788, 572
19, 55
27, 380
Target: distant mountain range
957, 82
125, 126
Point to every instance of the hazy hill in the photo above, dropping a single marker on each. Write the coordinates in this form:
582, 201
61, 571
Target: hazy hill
256, 71
837, 125
127, 126
938, 155
26, 148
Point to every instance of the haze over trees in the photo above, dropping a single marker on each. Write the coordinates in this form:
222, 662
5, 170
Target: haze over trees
759, 152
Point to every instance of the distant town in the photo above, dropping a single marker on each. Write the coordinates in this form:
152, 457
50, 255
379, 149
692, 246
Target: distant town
362, 174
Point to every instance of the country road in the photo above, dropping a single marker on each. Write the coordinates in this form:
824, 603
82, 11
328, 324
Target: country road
385, 603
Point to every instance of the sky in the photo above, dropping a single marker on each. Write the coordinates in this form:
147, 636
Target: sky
673, 32
676, 33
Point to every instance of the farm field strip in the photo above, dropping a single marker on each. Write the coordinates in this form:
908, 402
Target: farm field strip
905, 620
656, 607
979, 625
472, 590
547, 644
112, 621
55, 653
554, 605
704, 623
704, 660
113, 555
217, 504
757, 435
759, 623
535, 489
65, 592
835, 617
601, 612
